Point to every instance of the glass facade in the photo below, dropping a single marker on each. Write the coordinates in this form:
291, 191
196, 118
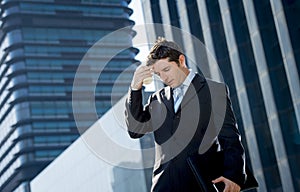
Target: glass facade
83, 168
42, 43
256, 45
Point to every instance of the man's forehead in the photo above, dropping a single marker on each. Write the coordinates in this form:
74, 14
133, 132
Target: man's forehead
161, 64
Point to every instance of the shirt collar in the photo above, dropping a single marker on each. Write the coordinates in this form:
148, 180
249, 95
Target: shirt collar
189, 78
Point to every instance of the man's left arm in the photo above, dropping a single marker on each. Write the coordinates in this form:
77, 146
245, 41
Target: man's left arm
234, 154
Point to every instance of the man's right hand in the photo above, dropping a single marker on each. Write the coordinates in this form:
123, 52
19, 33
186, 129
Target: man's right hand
142, 72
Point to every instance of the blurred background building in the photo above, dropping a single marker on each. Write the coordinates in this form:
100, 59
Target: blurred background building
41, 46
85, 165
256, 45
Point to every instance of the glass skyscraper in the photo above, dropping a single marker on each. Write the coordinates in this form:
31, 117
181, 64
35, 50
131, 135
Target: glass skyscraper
42, 44
256, 45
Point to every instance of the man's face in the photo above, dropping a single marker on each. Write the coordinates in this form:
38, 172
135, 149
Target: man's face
169, 72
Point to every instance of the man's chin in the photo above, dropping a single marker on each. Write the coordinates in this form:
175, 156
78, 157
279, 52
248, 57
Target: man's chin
174, 85
171, 85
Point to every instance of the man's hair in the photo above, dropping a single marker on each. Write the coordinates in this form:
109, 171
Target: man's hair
164, 49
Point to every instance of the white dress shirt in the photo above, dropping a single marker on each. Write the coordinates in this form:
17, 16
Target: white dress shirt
180, 91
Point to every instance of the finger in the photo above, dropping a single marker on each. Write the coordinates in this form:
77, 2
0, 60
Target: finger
219, 179
142, 76
148, 70
143, 68
231, 186
228, 187
144, 71
141, 73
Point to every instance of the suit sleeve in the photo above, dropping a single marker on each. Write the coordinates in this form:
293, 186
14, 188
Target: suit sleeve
137, 116
230, 140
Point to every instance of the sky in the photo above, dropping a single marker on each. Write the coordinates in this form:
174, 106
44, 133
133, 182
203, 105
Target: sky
138, 18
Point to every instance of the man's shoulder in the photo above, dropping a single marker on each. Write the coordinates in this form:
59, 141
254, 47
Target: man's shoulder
215, 84
217, 88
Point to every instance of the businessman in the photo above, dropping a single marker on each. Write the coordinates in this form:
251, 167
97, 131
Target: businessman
184, 117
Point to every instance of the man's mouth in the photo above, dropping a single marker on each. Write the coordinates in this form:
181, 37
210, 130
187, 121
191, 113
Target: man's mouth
169, 82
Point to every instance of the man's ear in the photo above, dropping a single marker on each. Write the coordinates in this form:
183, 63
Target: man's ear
182, 60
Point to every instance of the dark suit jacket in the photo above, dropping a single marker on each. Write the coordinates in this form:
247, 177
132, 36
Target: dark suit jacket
205, 122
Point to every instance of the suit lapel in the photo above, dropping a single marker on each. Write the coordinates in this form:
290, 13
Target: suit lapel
168, 98
197, 83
